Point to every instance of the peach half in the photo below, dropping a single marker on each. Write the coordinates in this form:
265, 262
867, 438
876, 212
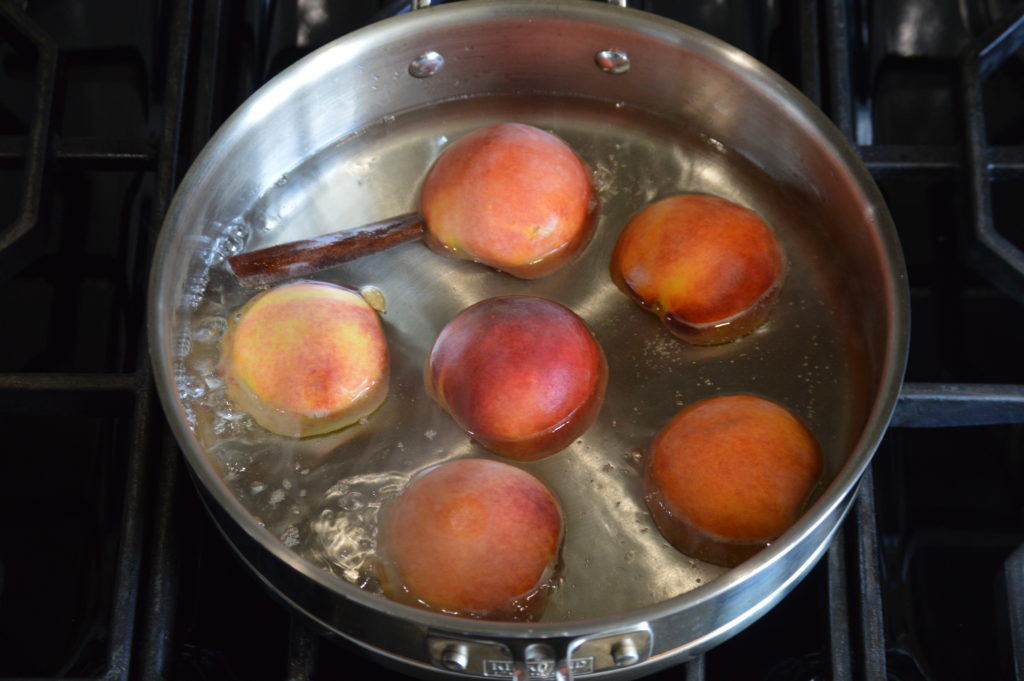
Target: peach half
728, 475
471, 537
524, 376
306, 358
709, 268
510, 196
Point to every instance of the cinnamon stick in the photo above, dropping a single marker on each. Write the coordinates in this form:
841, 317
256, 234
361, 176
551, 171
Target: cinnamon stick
299, 258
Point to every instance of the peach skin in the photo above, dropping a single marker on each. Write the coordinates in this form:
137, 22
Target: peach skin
522, 375
710, 269
728, 475
306, 358
471, 537
510, 196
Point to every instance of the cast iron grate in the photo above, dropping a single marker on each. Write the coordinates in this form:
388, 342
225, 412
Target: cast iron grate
59, 408
38, 51
995, 255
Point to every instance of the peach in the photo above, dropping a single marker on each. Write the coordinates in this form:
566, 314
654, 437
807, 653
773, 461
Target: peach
709, 268
510, 196
306, 358
471, 537
728, 475
522, 375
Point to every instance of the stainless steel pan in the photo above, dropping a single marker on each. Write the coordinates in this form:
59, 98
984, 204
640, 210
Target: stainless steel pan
344, 137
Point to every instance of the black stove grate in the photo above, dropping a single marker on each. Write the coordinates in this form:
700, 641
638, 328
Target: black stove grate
121, 574
77, 407
994, 253
35, 47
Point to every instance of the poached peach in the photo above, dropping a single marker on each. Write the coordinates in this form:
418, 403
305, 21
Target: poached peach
510, 196
471, 537
306, 358
709, 268
728, 475
524, 376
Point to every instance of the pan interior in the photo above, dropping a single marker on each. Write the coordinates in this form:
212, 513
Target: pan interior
320, 496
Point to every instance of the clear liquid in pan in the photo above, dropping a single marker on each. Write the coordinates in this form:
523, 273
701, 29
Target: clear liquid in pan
321, 496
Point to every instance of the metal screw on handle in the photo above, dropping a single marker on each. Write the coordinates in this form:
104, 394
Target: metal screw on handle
423, 4
554, 658
625, 653
455, 657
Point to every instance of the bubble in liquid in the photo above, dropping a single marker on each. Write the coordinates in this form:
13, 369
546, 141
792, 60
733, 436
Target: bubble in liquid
210, 329
345, 530
204, 366
183, 344
236, 235
190, 388
603, 177
290, 536
228, 421
374, 297
353, 501
195, 291
716, 145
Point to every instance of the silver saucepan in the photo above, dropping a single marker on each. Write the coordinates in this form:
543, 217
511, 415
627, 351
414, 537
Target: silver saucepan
344, 137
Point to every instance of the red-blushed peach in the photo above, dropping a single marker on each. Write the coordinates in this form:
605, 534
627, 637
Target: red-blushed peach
471, 537
709, 268
306, 358
524, 376
510, 196
728, 475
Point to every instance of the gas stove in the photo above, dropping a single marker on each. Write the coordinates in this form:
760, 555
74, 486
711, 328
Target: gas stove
112, 569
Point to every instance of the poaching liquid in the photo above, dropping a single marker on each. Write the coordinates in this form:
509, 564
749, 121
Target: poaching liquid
321, 496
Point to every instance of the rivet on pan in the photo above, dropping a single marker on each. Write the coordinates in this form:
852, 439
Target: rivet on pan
614, 62
624, 653
455, 657
426, 65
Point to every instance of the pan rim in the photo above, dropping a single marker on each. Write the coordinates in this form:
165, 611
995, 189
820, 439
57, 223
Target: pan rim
834, 500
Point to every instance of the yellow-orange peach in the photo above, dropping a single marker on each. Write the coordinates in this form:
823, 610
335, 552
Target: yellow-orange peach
709, 268
522, 375
306, 358
510, 196
471, 537
728, 475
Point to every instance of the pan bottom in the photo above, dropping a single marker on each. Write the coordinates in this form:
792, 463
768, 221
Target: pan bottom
320, 496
